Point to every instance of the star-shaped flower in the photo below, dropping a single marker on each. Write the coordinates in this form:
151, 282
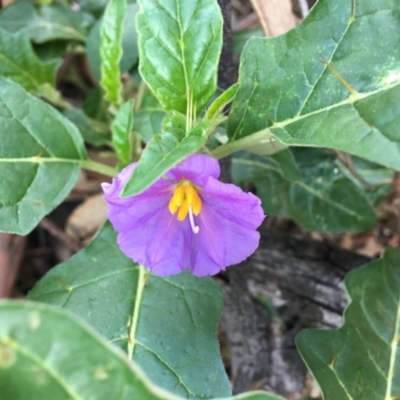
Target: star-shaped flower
187, 219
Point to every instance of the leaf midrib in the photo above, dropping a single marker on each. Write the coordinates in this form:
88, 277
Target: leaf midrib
182, 47
325, 67
141, 282
20, 70
62, 28
151, 171
179, 378
350, 100
393, 350
40, 160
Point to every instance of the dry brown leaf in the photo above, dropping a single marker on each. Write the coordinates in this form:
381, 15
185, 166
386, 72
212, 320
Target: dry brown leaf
87, 218
276, 16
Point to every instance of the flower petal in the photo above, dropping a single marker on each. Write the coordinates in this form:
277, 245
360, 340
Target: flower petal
228, 223
161, 242
196, 168
147, 232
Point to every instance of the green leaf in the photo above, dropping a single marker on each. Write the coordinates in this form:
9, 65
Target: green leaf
163, 152
96, 7
51, 50
257, 396
149, 118
360, 360
111, 50
47, 353
130, 52
46, 23
148, 122
95, 107
363, 173
262, 143
121, 129
93, 132
179, 47
39, 158
240, 38
222, 101
311, 190
171, 322
287, 91
19, 63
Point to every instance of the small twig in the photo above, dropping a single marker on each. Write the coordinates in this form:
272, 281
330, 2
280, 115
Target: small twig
55, 231
348, 162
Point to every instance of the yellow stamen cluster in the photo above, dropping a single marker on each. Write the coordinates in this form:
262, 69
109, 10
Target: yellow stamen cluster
185, 197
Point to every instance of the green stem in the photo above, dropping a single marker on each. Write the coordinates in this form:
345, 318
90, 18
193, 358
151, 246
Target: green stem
241, 144
142, 278
139, 96
98, 167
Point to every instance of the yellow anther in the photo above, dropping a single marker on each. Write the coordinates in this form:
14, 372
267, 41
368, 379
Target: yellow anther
191, 194
196, 205
185, 200
179, 195
183, 210
173, 207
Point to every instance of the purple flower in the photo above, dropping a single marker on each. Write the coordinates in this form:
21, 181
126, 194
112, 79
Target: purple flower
187, 219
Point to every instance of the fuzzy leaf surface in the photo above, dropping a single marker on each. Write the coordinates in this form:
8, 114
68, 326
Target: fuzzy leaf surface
130, 53
164, 151
40, 152
361, 359
45, 23
19, 63
121, 129
111, 50
179, 47
310, 189
29, 332
288, 90
172, 324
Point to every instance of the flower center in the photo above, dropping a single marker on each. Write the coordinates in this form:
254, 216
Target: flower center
186, 200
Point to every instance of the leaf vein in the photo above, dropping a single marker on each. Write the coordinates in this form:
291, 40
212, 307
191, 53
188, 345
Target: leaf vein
181, 382
50, 371
324, 69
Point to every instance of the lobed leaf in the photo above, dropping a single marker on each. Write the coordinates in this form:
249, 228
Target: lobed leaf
311, 190
40, 153
168, 327
46, 23
360, 360
47, 353
19, 63
179, 47
288, 92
